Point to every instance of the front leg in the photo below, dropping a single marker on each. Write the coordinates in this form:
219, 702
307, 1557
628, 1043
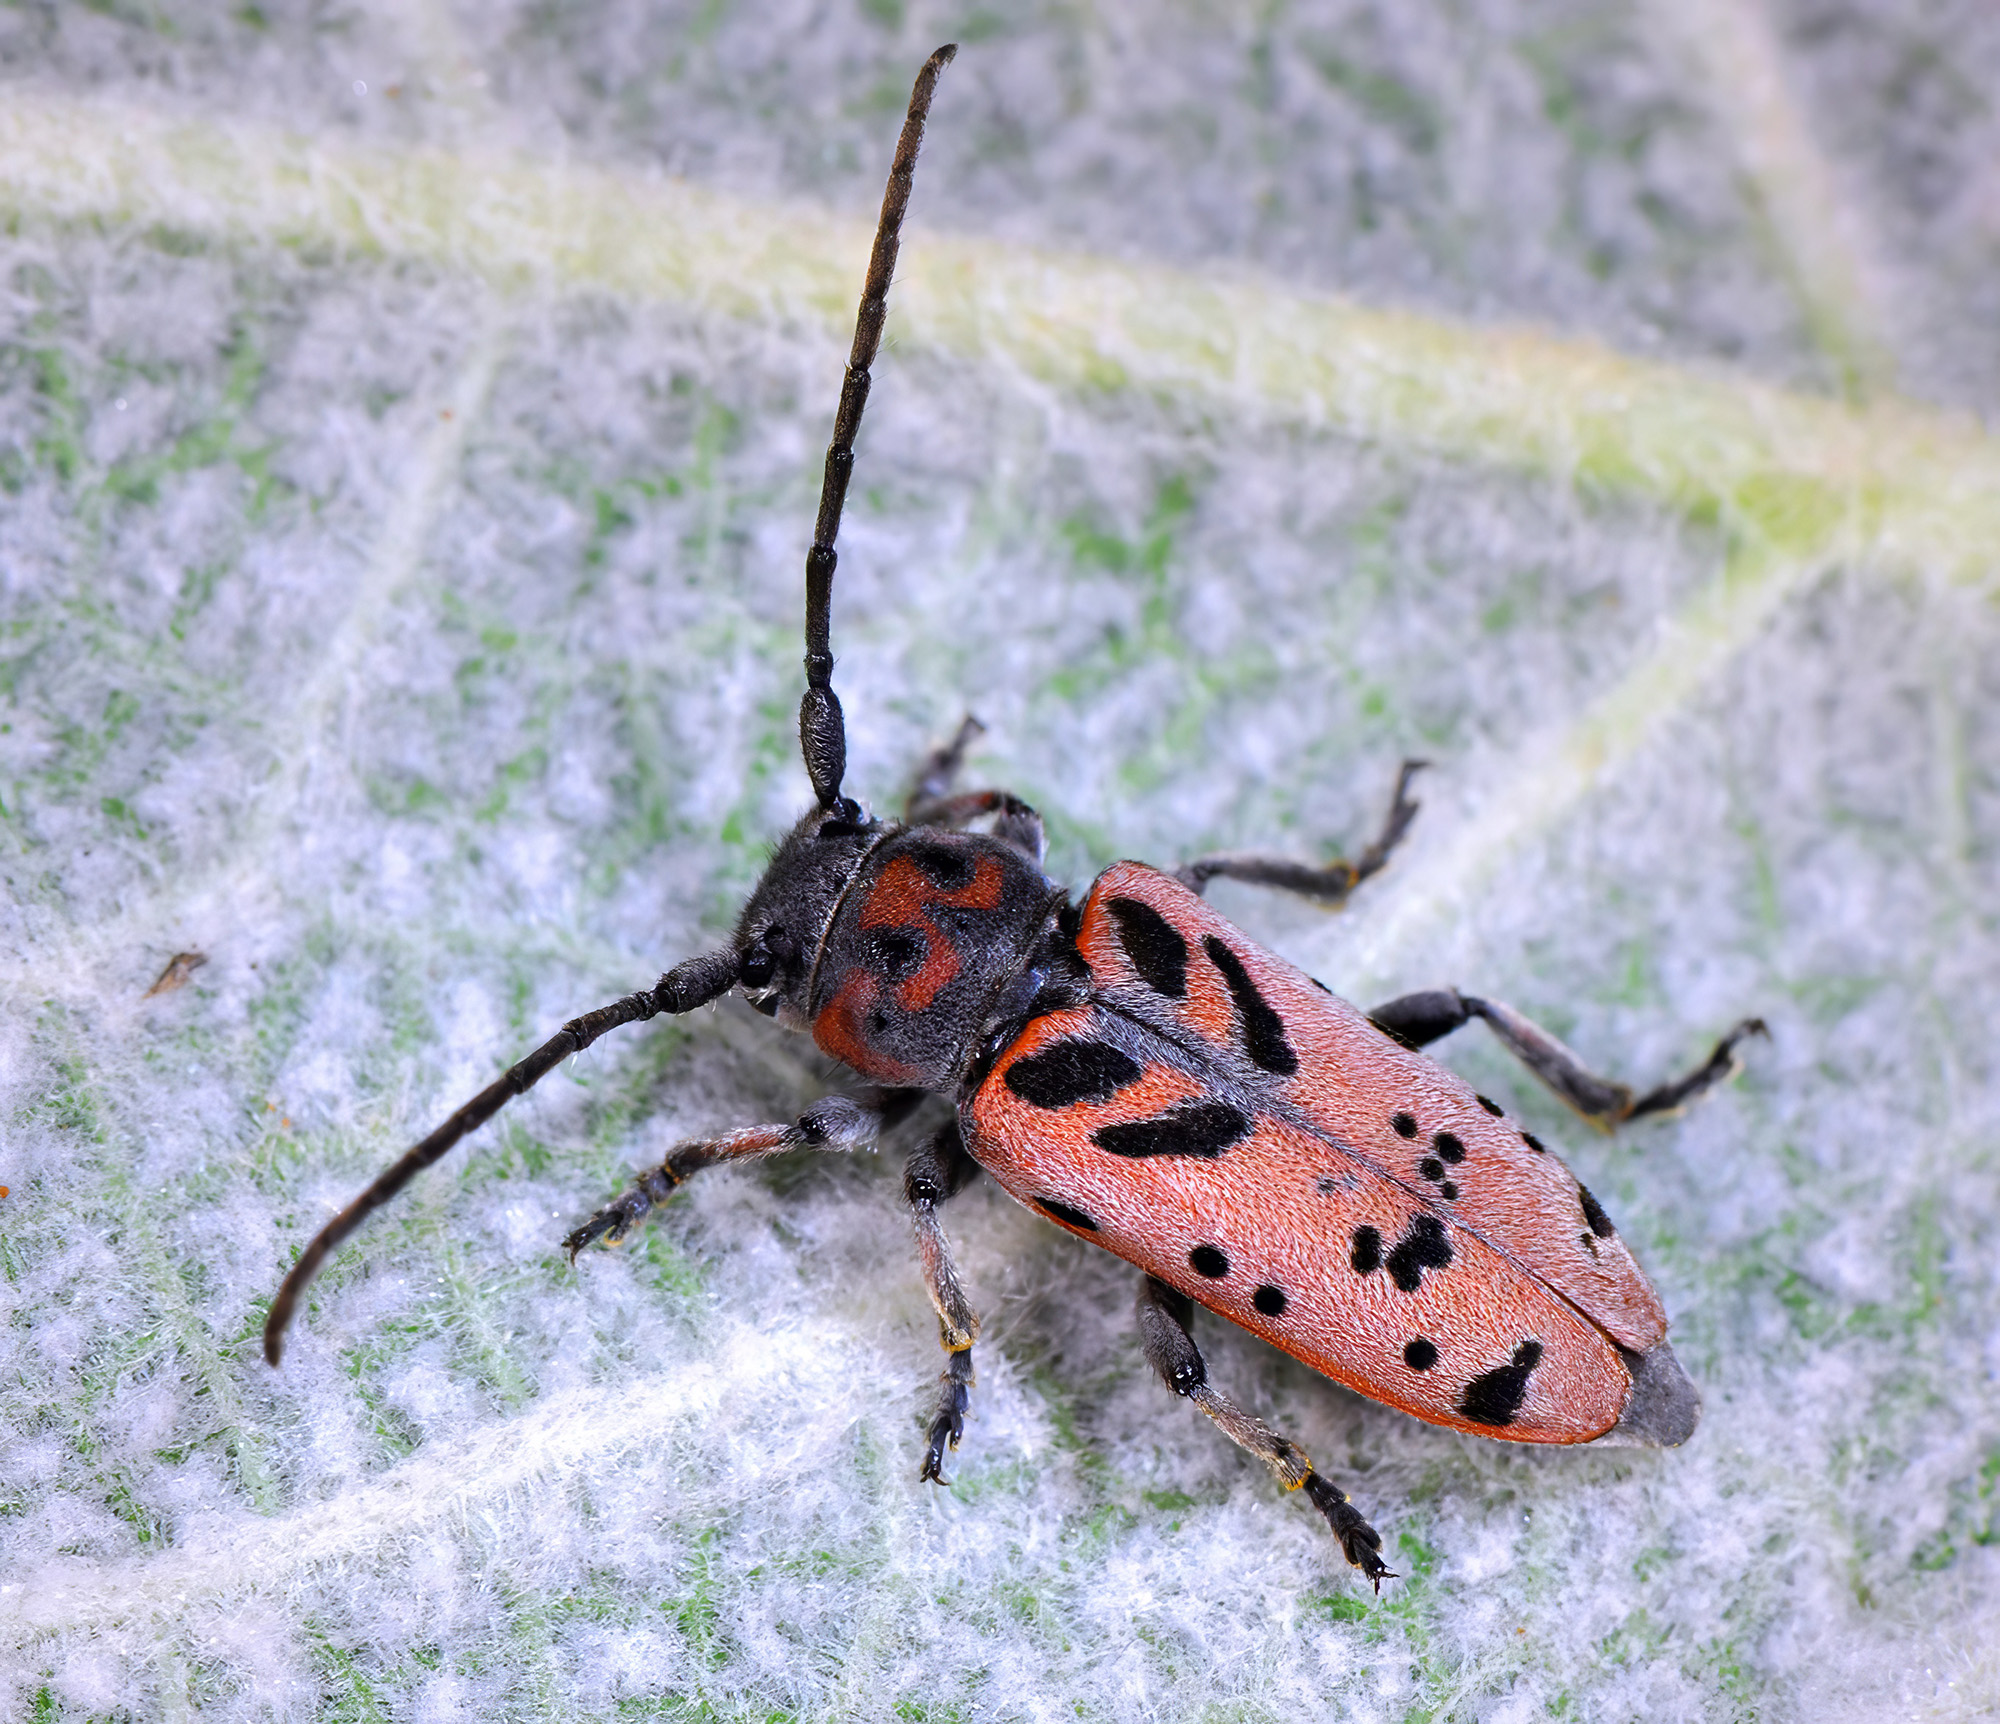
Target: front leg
938, 1171
933, 802
1328, 884
835, 1122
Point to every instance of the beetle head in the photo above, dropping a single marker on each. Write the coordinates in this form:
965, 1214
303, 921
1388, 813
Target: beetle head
780, 932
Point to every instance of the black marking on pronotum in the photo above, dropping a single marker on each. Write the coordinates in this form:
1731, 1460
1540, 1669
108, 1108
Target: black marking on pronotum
1404, 1124
944, 865
1367, 1254
1209, 1262
1153, 944
1263, 1030
1494, 1397
1423, 1247
1593, 1212
895, 954
1064, 1212
1420, 1355
1533, 1142
1203, 1129
1447, 1144
1072, 1071
1492, 1107
1269, 1300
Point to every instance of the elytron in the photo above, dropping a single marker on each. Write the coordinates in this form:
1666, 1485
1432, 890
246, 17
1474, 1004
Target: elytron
1139, 1072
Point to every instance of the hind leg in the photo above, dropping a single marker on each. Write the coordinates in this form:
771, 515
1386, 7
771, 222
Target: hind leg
1328, 884
1420, 1019
1164, 1315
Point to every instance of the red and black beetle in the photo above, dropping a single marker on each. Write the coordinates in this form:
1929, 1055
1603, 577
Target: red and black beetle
1141, 1073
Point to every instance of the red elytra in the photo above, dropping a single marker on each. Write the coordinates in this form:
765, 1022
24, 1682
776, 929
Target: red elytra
1140, 1072
1320, 1162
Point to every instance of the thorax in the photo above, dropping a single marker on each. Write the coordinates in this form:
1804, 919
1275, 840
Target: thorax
925, 947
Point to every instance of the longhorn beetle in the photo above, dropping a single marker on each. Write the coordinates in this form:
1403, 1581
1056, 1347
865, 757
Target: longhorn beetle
1138, 1071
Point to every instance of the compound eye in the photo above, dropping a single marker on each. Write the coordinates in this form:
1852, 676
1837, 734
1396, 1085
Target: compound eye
758, 965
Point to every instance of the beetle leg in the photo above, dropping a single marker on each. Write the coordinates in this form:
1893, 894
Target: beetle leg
1329, 884
835, 1122
1164, 1315
1015, 823
934, 1173
1419, 1019
939, 771
932, 802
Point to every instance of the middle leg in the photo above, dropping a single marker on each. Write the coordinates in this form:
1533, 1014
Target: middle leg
934, 1174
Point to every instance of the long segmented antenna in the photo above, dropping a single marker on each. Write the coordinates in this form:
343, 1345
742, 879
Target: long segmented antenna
689, 984
822, 732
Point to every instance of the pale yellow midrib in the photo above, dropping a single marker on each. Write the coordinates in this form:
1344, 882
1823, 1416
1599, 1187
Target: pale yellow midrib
1896, 485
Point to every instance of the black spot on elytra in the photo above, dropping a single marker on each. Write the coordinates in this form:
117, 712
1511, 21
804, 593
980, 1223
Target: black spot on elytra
895, 954
1153, 944
1269, 1300
1533, 1142
1203, 1129
1405, 1125
1420, 1355
1208, 1261
944, 864
1072, 1071
1448, 1189
1593, 1212
1423, 1247
1367, 1254
1064, 1212
1431, 1168
1263, 1030
1447, 1144
1494, 1397
1492, 1107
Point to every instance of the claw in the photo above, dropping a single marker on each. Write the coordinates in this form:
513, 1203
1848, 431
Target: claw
610, 1223
1360, 1543
948, 1426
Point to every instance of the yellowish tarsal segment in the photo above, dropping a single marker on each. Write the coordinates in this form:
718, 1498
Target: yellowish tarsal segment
1913, 489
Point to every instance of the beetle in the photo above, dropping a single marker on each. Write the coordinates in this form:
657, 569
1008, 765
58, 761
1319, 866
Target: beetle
1140, 1073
